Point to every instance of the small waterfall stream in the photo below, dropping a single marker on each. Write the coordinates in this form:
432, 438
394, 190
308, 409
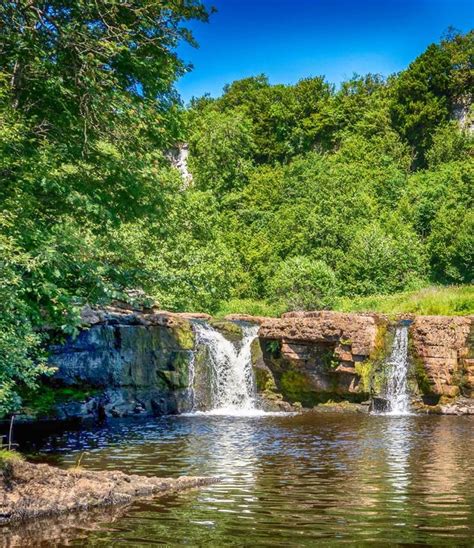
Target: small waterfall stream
232, 383
397, 387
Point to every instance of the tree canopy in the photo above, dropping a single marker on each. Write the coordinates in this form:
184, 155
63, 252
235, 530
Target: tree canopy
300, 194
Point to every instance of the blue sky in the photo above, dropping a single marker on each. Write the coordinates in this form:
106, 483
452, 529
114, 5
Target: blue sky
293, 39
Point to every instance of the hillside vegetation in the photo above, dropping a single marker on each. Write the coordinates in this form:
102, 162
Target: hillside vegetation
302, 195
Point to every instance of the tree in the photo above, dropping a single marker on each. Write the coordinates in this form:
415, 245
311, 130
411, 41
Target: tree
88, 106
303, 284
383, 260
221, 147
424, 95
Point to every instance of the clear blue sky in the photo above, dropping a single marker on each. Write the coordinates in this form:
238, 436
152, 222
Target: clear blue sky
293, 39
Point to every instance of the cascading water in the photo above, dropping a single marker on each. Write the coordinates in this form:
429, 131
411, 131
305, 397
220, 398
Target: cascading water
397, 387
232, 384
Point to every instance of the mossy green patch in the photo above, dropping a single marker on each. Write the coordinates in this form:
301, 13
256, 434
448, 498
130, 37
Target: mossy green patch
264, 380
184, 335
372, 371
8, 458
43, 400
231, 330
294, 387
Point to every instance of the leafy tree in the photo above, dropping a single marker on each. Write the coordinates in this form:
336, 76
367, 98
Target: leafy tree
383, 261
303, 284
424, 95
221, 147
88, 107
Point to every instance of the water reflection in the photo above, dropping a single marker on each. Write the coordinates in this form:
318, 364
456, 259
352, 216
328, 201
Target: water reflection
288, 481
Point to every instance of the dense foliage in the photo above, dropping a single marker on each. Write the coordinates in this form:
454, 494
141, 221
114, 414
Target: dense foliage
300, 194
87, 107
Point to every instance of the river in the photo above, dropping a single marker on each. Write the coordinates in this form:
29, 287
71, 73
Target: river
287, 480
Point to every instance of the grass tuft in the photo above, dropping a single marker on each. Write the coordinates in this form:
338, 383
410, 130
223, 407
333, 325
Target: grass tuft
430, 301
9, 457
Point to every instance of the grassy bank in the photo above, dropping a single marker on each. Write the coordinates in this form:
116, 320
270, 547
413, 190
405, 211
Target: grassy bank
446, 301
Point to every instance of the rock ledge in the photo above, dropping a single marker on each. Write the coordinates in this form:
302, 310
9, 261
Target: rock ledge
29, 491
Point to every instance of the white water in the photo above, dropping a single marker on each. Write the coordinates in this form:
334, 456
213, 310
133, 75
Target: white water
397, 386
232, 383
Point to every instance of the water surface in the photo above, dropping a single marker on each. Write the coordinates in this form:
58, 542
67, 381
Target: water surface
303, 480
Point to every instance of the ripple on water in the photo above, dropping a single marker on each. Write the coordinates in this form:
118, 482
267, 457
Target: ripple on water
287, 480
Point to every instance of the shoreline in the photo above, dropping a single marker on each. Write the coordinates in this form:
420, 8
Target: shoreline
31, 491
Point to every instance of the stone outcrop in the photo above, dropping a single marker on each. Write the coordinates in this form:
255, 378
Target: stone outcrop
30, 491
134, 361
312, 357
443, 346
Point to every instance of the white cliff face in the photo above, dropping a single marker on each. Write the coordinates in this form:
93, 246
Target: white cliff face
463, 112
179, 159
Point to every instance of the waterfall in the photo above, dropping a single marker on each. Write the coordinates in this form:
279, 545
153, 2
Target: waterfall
232, 384
397, 388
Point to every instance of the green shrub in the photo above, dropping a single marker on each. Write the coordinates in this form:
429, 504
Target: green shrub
303, 284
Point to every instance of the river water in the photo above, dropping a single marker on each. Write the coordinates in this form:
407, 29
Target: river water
303, 480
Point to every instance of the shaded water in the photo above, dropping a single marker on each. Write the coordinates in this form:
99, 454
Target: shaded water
301, 480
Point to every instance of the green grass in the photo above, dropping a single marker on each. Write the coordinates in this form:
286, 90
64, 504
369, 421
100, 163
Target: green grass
43, 400
9, 457
252, 307
435, 300
446, 301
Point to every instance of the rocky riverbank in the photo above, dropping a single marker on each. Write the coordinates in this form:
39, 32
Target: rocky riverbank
136, 361
29, 491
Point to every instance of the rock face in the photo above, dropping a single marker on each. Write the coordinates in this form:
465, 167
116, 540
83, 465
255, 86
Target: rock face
312, 357
137, 362
443, 346
131, 360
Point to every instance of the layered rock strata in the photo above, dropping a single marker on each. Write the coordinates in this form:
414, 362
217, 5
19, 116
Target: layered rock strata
443, 347
313, 357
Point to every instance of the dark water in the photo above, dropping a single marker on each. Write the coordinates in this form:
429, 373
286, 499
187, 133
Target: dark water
307, 480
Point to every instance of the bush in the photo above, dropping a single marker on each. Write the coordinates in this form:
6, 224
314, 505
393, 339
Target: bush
300, 283
381, 261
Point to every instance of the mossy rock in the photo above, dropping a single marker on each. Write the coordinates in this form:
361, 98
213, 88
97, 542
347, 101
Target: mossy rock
264, 380
256, 353
294, 387
184, 335
43, 400
231, 330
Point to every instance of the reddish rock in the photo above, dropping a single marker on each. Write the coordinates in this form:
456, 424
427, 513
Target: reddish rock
443, 344
351, 334
246, 318
194, 316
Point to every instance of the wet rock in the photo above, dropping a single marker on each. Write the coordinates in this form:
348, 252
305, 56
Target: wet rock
30, 491
128, 357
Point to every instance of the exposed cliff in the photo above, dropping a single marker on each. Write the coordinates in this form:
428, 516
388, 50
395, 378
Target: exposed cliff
443, 347
127, 361
136, 362
312, 357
